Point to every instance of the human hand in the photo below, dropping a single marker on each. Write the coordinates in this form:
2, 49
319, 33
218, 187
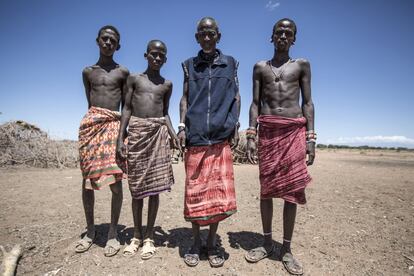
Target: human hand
251, 150
234, 139
121, 150
181, 139
310, 151
176, 143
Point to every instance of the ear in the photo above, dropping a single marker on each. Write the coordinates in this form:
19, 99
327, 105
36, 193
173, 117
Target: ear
218, 37
146, 55
118, 47
97, 41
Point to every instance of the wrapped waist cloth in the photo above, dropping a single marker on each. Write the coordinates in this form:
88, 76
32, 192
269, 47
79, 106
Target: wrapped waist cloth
282, 158
209, 186
149, 157
98, 133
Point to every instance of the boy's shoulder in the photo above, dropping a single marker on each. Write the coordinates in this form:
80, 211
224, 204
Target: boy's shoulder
88, 69
168, 83
123, 69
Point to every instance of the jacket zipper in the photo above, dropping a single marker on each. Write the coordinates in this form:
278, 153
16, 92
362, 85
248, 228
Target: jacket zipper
209, 104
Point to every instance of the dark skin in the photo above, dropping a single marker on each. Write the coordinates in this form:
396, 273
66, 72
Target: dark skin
148, 96
104, 84
281, 97
207, 36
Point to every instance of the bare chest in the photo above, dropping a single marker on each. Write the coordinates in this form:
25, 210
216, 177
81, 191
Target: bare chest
149, 92
288, 73
99, 77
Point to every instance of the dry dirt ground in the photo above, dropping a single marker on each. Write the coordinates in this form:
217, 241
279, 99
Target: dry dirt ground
358, 221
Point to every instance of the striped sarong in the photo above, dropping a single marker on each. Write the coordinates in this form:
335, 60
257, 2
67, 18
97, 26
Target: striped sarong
149, 157
209, 185
98, 133
282, 158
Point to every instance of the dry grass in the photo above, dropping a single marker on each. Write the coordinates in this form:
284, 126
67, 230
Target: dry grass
25, 144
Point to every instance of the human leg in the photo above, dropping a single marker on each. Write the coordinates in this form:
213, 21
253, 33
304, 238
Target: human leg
112, 246
215, 255
192, 258
266, 249
149, 249
136, 240
88, 200
290, 263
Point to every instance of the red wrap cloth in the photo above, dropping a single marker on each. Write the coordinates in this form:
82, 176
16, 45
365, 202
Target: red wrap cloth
282, 158
209, 185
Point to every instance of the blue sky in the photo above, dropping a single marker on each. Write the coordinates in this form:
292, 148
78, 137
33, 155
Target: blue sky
360, 52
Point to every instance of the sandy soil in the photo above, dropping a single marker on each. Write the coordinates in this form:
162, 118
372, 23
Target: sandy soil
358, 221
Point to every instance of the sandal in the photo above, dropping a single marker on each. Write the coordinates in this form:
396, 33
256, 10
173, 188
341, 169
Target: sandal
215, 257
112, 247
148, 249
291, 264
132, 248
192, 258
84, 244
257, 254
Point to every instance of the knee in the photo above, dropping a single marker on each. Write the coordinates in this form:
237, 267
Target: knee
155, 197
116, 188
290, 205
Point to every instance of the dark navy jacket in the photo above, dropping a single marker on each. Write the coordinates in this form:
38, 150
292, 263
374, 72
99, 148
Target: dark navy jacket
212, 112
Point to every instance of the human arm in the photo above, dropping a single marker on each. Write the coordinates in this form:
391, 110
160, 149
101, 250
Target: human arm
87, 85
125, 73
307, 107
234, 141
183, 108
173, 135
253, 113
125, 116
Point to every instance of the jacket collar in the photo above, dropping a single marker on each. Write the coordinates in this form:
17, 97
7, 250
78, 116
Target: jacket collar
221, 60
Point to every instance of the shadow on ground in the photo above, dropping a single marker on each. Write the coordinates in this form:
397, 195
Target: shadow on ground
248, 240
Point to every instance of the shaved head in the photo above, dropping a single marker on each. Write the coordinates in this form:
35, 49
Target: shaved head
207, 22
157, 44
284, 21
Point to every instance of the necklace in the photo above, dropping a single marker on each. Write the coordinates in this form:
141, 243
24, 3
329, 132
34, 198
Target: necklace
280, 71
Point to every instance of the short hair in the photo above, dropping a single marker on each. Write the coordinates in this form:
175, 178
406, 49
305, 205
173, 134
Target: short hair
156, 41
111, 28
205, 19
285, 19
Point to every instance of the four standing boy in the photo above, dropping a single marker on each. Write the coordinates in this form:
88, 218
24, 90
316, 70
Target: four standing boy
208, 129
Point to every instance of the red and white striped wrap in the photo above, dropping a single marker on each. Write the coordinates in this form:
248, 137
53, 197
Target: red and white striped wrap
209, 185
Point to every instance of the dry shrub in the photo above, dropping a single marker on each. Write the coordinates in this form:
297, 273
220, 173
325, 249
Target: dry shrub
22, 143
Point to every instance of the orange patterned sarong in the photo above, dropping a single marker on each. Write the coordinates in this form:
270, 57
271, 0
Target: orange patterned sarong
98, 133
209, 185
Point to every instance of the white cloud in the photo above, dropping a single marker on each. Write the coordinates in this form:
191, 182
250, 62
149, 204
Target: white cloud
379, 139
272, 5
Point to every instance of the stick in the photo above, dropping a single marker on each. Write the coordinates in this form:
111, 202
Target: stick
405, 256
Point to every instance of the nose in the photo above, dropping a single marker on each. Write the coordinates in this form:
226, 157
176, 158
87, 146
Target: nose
207, 38
283, 35
157, 57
